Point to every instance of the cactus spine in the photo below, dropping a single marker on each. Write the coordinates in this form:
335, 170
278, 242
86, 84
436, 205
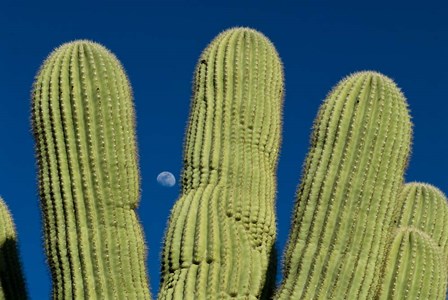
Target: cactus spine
222, 228
12, 284
351, 178
83, 122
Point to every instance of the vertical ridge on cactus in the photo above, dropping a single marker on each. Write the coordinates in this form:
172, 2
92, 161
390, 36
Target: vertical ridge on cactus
351, 177
83, 121
12, 283
222, 228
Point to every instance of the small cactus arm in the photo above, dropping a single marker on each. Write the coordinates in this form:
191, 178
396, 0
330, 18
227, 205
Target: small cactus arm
84, 128
352, 176
222, 228
415, 267
12, 283
416, 264
424, 207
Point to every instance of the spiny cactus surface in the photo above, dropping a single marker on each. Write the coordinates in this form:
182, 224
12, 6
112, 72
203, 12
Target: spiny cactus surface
415, 267
12, 283
424, 206
222, 228
83, 121
416, 264
352, 176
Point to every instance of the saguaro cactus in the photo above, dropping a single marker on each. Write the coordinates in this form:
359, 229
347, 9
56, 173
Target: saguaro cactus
352, 176
83, 121
357, 231
222, 228
12, 284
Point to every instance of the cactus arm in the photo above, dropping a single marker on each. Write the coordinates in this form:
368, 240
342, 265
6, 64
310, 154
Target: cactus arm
419, 229
12, 283
415, 267
352, 175
425, 207
84, 130
222, 228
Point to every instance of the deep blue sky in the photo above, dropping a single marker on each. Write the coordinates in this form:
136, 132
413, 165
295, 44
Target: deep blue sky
158, 43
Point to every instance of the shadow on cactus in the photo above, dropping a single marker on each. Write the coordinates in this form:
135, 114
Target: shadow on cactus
357, 231
12, 284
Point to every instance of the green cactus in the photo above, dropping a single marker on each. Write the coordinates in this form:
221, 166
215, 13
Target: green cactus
83, 122
423, 206
222, 228
415, 267
12, 283
417, 262
357, 231
352, 175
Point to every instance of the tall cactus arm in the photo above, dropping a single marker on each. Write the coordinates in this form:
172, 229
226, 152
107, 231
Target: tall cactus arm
352, 175
12, 283
222, 228
84, 128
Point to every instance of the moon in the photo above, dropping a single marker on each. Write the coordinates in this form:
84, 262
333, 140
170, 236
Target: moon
166, 179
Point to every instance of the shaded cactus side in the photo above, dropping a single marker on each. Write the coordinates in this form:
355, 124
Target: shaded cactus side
351, 178
222, 228
12, 283
83, 122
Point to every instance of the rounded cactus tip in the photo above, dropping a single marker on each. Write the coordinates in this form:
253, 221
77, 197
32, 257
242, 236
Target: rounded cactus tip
79, 43
421, 184
371, 74
247, 36
417, 185
241, 30
375, 76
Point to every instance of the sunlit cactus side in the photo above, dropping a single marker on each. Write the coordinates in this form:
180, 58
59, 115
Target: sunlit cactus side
84, 128
351, 179
222, 228
12, 283
416, 265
